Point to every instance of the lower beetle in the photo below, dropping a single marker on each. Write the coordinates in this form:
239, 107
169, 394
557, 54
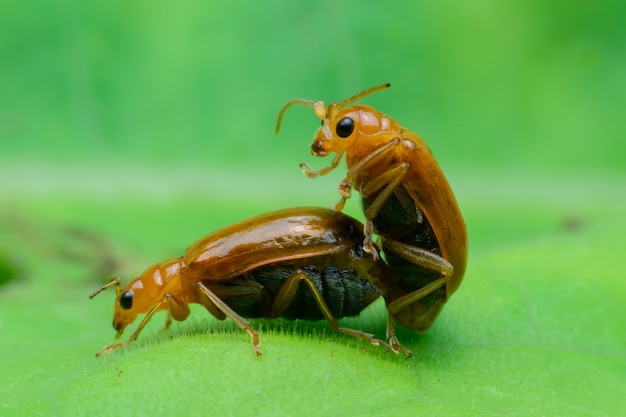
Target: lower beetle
254, 268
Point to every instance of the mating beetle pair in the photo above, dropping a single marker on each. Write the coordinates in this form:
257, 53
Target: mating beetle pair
255, 268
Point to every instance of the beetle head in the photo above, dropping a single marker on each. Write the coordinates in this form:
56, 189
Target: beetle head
128, 304
339, 123
143, 293
342, 128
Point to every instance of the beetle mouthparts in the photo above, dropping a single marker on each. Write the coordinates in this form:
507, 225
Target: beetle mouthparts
119, 326
317, 148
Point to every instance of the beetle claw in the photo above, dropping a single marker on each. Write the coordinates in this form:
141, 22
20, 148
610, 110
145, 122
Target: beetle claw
396, 347
109, 348
369, 247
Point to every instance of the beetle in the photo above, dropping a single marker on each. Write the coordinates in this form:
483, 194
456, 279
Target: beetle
406, 199
254, 269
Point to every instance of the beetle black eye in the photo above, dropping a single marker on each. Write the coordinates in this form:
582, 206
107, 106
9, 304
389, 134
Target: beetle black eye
126, 300
345, 127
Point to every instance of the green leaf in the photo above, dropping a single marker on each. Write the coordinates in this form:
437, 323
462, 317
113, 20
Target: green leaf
537, 327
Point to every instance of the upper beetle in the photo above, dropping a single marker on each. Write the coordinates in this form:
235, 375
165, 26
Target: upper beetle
406, 199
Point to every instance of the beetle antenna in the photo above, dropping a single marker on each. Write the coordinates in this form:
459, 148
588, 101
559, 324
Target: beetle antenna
362, 94
302, 102
114, 282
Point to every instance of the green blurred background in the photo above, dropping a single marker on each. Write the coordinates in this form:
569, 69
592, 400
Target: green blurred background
525, 84
129, 129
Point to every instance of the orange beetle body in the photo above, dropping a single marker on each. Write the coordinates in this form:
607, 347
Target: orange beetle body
253, 269
407, 201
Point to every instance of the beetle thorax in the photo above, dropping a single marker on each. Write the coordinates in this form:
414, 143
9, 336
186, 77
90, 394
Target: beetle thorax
373, 123
142, 293
164, 278
154, 283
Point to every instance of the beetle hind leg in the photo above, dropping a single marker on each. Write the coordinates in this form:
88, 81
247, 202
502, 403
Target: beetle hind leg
394, 344
419, 256
287, 292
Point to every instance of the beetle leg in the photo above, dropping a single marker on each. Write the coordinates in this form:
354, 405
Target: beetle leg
322, 171
345, 191
176, 310
210, 301
372, 158
214, 310
155, 308
368, 245
392, 178
405, 301
340, 204
388, 181
168, 322
420, 257
395, 345
285, 296
409, 201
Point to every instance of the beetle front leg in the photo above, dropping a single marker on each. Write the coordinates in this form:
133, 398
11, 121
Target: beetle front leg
386, 183
322, 171
344, 190
175, 307
176, 310
212, 302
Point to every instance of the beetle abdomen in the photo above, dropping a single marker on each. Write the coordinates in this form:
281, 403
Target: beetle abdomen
343, 291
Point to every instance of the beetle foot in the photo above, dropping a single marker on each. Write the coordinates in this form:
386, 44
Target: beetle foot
344, 189
368, 247
396, 347
306, 170
368, 337
255, 340
110, 348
